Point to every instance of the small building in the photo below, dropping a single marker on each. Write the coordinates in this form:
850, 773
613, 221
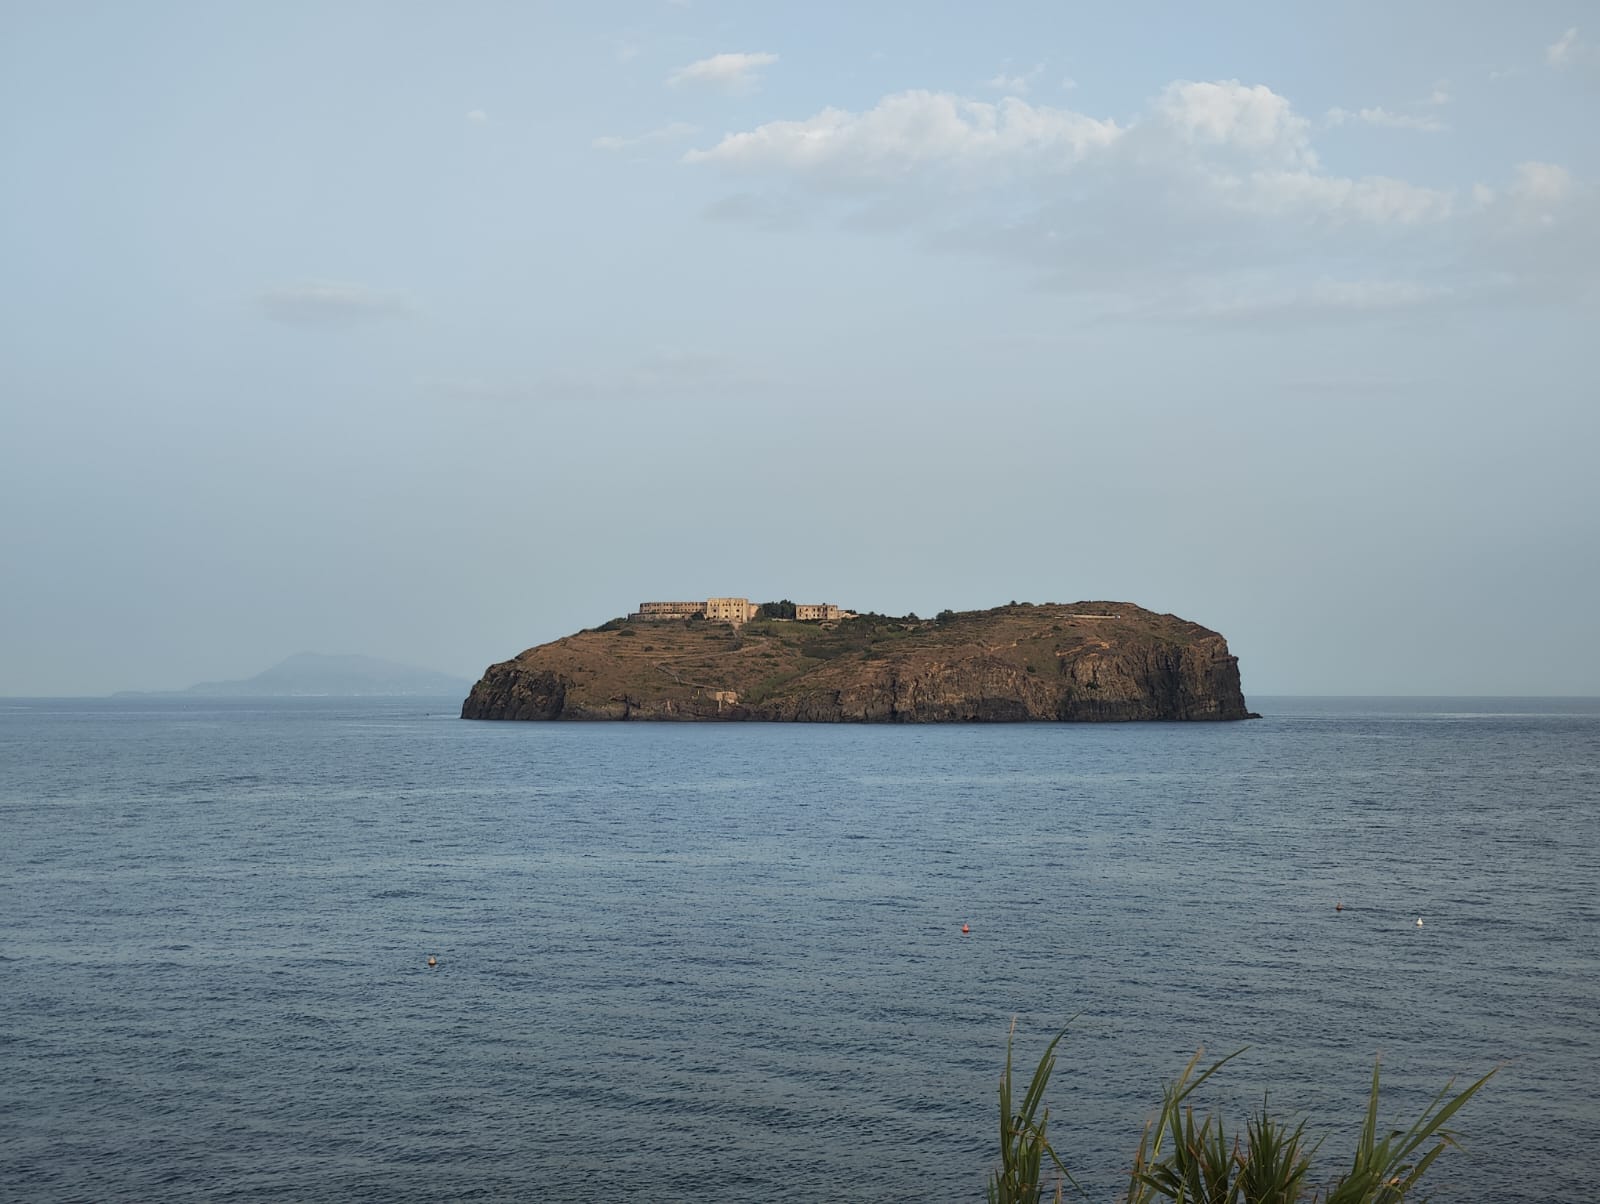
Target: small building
821, 610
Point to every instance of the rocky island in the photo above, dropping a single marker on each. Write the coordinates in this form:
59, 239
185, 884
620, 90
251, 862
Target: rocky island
1084, 662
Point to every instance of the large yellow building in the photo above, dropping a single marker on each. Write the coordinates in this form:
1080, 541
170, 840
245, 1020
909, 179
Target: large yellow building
730, 610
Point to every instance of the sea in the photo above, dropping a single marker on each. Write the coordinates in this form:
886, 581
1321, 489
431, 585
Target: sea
334, 950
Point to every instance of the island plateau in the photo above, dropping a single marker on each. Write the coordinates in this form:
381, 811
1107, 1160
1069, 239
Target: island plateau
1083, 662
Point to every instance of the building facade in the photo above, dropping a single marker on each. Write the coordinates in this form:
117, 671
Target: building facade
718, 610
730, 610
671, 610
822, 610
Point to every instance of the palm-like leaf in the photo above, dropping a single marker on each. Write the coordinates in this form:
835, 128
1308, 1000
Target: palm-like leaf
1024, 1138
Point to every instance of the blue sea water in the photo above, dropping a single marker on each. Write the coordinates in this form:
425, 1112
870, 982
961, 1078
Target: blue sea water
725, 962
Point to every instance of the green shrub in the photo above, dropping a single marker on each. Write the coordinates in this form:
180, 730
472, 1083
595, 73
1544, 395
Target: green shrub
1196, 1163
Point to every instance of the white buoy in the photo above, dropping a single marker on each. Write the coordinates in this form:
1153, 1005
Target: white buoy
1419, 921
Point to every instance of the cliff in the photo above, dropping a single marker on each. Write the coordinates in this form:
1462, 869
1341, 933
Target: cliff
1090, 661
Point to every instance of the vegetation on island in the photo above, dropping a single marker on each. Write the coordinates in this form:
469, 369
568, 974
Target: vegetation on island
1187, 1162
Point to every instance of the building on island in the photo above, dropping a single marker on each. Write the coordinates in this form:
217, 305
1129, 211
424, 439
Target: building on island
670, 610
822, 610
718, 610
730, 610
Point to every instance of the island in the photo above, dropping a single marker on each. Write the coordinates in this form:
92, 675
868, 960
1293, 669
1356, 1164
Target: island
726, 659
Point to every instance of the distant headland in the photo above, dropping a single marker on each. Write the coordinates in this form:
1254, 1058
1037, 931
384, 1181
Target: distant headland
727, 658
316, 675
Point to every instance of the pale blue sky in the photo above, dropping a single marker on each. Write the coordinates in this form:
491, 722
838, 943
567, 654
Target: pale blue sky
435, 331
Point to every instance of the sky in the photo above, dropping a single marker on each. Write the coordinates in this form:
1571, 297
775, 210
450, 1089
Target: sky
436, 331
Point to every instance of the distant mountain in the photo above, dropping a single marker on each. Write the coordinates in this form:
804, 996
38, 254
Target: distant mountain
313, 675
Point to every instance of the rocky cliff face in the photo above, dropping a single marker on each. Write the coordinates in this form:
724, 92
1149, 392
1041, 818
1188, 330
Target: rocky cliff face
1088, 662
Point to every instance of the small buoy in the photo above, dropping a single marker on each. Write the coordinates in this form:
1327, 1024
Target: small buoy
433, 961
964, 928
1419, 921
1339, 906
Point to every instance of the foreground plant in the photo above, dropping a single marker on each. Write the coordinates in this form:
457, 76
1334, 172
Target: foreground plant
1269, 1167
1194, 1162
1024, 1143
1384, 1171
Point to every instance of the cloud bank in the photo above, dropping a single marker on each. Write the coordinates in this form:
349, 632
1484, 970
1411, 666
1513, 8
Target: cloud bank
1213, 199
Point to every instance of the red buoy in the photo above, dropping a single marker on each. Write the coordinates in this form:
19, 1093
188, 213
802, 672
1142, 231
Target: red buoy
964, 928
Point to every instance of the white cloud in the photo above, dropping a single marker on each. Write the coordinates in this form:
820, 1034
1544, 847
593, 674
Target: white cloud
1378, 200
1537, 239
1377, 115
1572, 50
1537, 195
1240, 147
1540, 194
1016, 83
1231, 115
1209, 204
478, 117
326, 302
1565, 50
734, 72
913, 130
1440, 94
671, 132
1543, 182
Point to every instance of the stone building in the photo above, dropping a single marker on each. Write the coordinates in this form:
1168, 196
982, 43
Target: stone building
822, 610
730, 610
718, 610
671, 610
